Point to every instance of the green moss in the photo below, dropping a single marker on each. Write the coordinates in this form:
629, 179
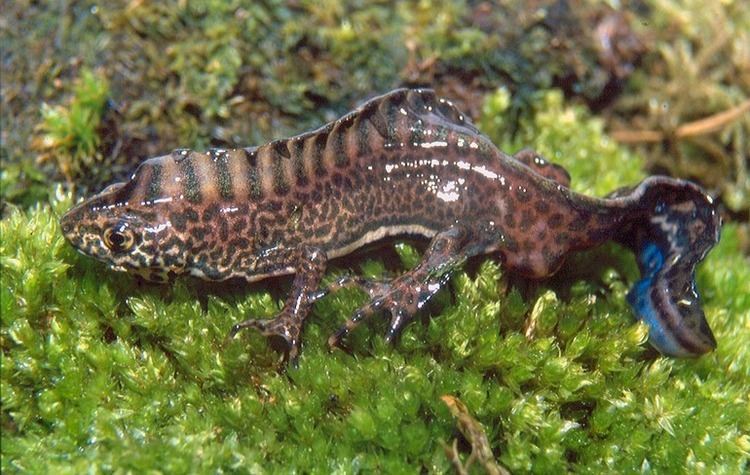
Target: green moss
72, 130
694, 73
564, 134
102, 371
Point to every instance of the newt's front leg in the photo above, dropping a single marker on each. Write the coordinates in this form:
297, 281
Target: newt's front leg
405, 295
310, 264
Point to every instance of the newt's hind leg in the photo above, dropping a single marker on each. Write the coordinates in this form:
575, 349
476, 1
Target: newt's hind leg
405, 295
542, 166
310, 264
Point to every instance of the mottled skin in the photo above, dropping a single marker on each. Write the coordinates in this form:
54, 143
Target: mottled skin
403, 163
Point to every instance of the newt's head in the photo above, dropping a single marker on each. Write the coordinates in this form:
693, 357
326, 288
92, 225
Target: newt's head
117, 227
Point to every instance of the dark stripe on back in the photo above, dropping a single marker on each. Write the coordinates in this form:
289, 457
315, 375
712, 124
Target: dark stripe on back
191, 188
281, 149
280, 185
417, 133
440, 133
153, 191
336, 144
224, 177
253, 177
416, 101
391, 110
378, 121
318, 149
363, 137
298, 161
449, 111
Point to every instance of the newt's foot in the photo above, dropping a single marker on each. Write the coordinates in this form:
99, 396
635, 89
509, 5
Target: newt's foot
407, 294
283, 327
402, 299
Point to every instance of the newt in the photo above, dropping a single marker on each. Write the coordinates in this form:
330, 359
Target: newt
404, 163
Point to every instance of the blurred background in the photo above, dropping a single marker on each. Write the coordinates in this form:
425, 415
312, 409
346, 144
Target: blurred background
89, 89
101, 372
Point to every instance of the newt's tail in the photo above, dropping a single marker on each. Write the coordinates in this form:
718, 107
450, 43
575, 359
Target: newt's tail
675, 223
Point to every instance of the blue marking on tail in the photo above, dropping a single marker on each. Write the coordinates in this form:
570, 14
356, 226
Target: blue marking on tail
651, 260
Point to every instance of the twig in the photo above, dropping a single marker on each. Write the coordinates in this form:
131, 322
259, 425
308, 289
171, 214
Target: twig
704, 126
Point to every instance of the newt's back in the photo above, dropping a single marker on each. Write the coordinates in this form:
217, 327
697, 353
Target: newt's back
406, 162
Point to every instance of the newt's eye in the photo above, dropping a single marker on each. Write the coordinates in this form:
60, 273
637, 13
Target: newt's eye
118, 240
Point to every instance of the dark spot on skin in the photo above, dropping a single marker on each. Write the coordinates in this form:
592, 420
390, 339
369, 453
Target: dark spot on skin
273, 206
510, 221
210, 213
240, 243
199, 232
562, 238
223, 230
173, 242
578, 224
337, 179
527, 219
523, 195
541, 207
511, 245
190, 215
555, 221
239, 225
322, 231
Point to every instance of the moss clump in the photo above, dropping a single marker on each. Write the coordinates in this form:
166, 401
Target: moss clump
564, 134
72, 131
101, 371
687, 106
